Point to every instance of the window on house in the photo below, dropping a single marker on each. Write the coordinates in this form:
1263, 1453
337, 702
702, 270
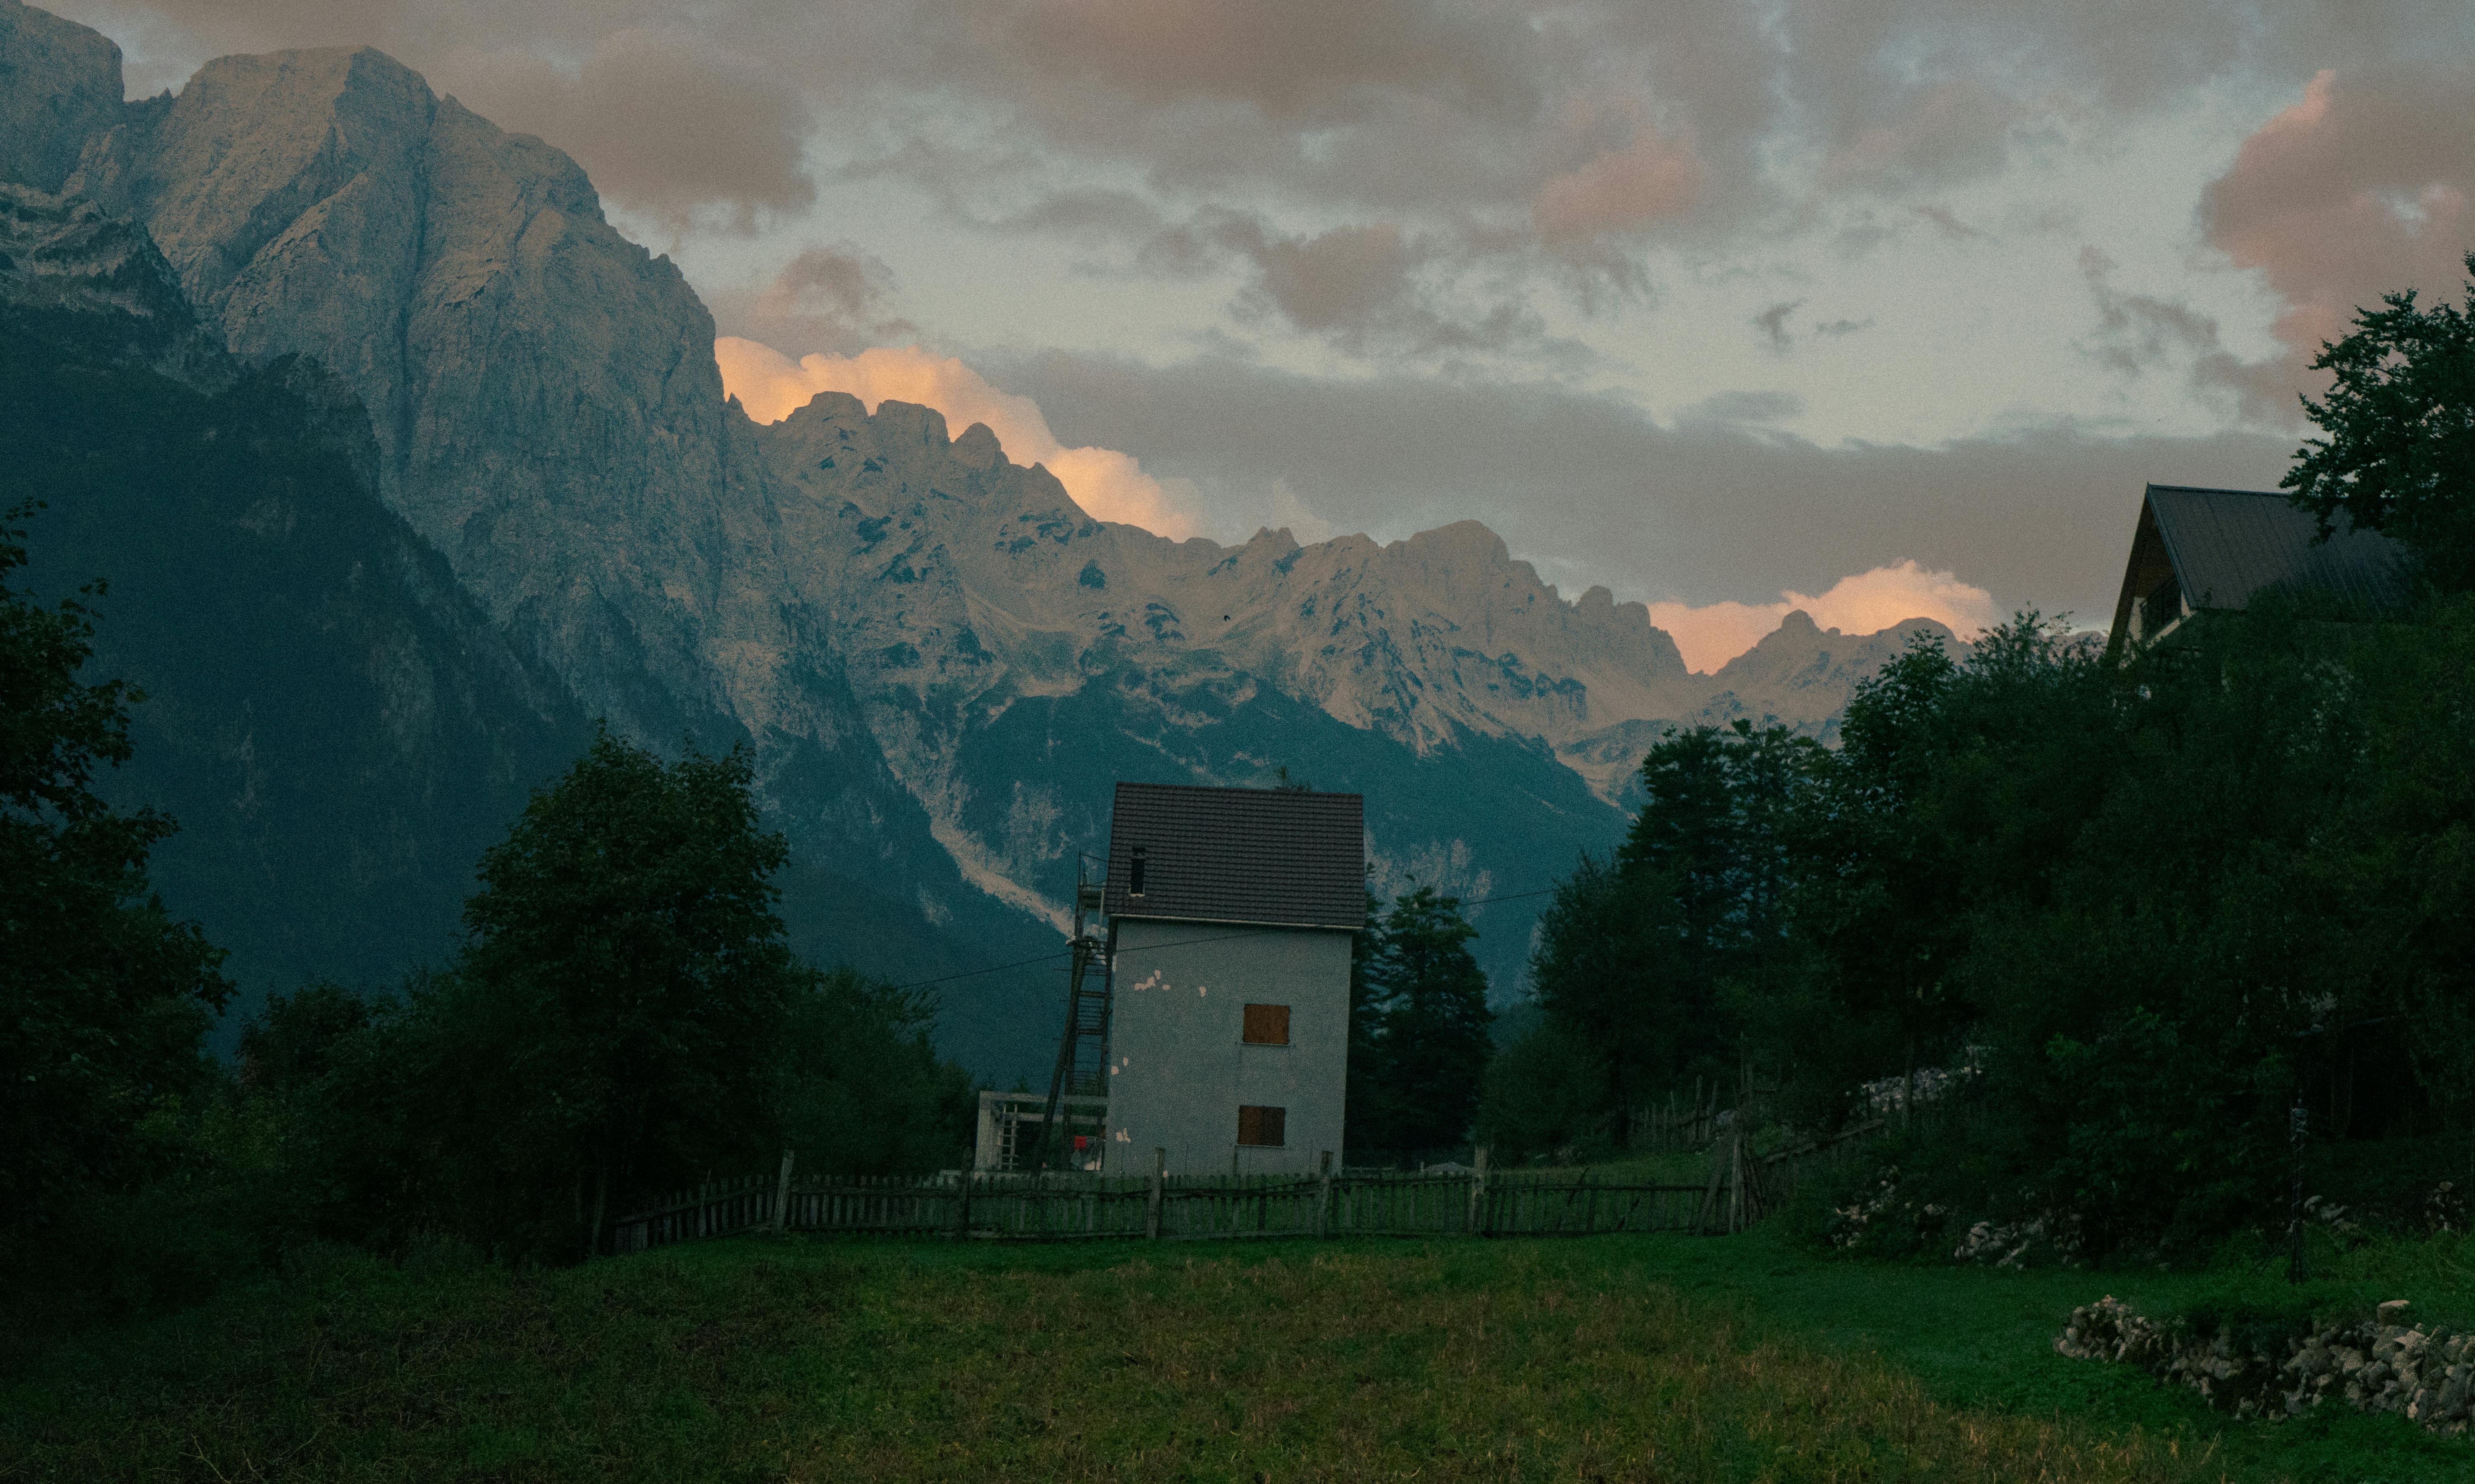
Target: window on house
1267, 1025
1135, 874
1263, 1126
2160, 607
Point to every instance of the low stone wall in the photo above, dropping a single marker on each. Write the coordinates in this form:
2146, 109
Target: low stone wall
2379, 1365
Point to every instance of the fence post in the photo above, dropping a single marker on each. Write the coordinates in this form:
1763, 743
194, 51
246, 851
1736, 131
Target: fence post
1709, 1212
782, 1195
1323, 1197
1152, 1203
963, 1204
1475, 1225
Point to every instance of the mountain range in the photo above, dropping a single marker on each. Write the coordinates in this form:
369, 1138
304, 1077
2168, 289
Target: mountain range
510, 494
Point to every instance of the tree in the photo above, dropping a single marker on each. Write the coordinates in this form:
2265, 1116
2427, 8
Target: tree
1657, 960
619, 1003
105, 998
1425, 1044
1612, 949
1715, 835
863, 1091
2399, 454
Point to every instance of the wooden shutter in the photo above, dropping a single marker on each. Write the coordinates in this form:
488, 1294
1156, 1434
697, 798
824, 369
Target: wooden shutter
1263, 1126
1267, 1025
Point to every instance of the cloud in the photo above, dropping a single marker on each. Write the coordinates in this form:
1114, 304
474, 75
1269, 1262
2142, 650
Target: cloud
1366, 288
662, 119
1948, 223
2140, 333
1868, 602
1293, 515
2366, 186
1950, 131
1747, 406
835, 298
1773, 322
1109, 485
1306, 60
1620, 189
1433, 179
1595, 491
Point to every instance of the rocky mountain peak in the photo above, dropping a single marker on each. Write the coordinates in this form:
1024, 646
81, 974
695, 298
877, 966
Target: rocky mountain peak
239, 178
932, 647
977, 447
59, 86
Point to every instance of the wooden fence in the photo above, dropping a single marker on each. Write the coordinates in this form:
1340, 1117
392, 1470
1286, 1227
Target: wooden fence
1060, 1206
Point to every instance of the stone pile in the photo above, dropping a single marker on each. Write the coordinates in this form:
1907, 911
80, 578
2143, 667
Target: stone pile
2379, 1365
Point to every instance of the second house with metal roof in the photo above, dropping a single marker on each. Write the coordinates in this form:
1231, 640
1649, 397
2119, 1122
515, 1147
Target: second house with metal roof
1231, 914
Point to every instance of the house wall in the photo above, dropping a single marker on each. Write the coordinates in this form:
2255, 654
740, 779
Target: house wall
1177, 1069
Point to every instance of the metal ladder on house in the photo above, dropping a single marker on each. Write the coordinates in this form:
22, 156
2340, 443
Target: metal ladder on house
1083, 1050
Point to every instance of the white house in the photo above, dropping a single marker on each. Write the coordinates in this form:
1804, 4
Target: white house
1231, 917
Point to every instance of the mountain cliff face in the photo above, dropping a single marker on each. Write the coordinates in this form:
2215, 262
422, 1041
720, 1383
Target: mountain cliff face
942, 662
338, 725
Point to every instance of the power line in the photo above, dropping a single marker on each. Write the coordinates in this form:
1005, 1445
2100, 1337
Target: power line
1183, 942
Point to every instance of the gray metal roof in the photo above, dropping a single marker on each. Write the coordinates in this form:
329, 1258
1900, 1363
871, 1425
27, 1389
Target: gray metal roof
1240, 855
2225, 546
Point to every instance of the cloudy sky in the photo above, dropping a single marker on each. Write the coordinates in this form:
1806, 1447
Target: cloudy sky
1875, 305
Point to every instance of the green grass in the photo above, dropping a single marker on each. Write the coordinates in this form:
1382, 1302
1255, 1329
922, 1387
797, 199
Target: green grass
1615, 1358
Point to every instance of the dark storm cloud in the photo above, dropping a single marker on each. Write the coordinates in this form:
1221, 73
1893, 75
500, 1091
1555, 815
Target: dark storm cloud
1594, 491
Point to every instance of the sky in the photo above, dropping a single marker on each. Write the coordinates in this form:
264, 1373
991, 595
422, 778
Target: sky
1875, 308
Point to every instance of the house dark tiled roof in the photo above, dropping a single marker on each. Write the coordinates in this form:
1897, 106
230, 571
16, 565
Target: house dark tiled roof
1240, 855
2221, 547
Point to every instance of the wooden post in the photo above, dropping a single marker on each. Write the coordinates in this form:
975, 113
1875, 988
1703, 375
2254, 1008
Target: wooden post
1709, 1211
1152, 1205
1323, 1197
1475, 1224
782, 1195
963, 1204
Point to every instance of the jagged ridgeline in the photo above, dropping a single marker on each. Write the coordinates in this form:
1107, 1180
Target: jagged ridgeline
942, 663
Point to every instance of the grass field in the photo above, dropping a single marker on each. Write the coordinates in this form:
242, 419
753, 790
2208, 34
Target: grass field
1601, 1358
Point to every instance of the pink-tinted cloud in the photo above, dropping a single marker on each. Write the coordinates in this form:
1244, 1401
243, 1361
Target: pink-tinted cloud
1109, 485
661, 119
1866, 603
2360, 188
1651, 177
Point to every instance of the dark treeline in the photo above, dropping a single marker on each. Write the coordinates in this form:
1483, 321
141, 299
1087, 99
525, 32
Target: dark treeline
2148, 904
623, 1016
